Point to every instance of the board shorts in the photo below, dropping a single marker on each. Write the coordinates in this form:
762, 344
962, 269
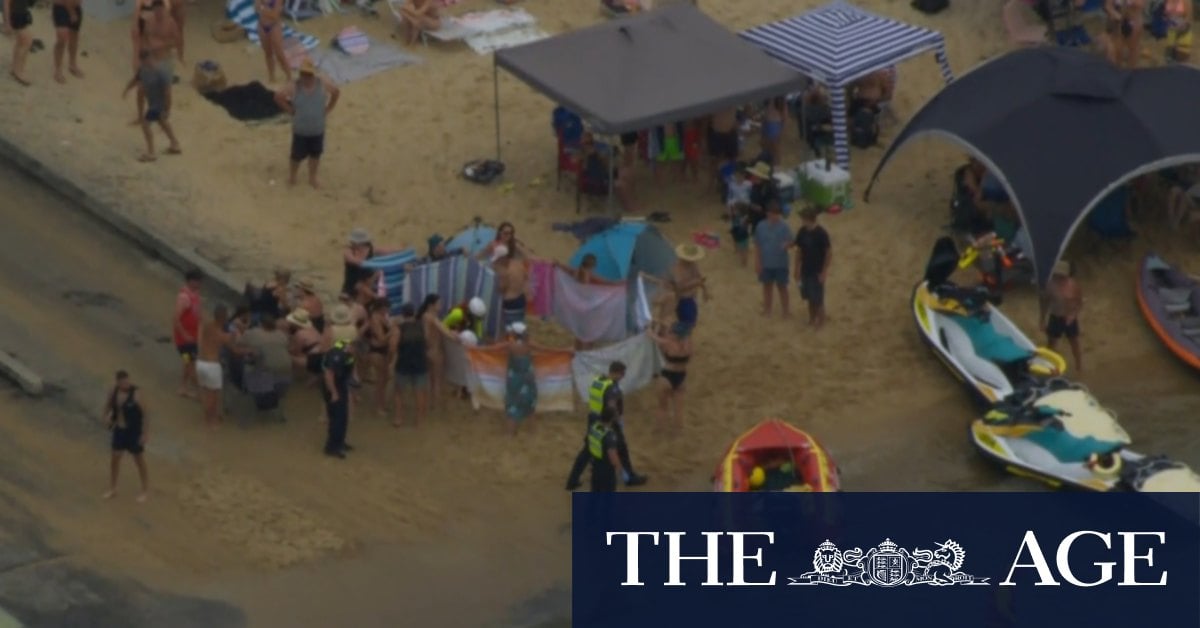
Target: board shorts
153, 115
674, 378
62, 18
777, 276
187, 351
209, 375
812, 290
1057, 327
124, 439
307, 146
20, 20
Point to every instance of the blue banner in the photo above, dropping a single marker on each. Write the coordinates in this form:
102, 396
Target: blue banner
886, 560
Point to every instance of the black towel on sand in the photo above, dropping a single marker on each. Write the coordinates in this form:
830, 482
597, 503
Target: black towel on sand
247, 102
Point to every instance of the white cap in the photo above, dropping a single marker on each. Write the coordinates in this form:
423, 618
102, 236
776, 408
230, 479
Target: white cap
517, 329
477, 307
469, 338
499, 251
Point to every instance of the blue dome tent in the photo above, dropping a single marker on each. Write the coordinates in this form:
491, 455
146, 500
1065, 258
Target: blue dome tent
626, 249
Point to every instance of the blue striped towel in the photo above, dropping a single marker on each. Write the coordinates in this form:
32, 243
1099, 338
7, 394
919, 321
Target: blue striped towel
241, 12
455, 280
393, 267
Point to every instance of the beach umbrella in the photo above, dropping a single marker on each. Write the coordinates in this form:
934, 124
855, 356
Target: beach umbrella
1062, 129
473, 239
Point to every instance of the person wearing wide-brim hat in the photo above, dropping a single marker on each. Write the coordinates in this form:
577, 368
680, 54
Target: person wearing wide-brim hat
308, 100
686, 280
304, 341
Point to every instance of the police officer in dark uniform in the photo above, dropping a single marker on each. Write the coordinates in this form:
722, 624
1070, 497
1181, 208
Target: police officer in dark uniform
338, 367
605, 392
602, 449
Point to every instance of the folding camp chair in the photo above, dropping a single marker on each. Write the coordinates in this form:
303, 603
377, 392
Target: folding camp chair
568, 160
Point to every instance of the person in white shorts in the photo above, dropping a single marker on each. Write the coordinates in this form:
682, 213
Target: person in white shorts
209, 375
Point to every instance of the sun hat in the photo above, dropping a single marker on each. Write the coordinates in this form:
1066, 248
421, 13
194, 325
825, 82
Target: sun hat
307, 67
517, 329
359, 236
299, 317
341, 315
689, 252
1061, 267
477, 307
762, 170
498, 252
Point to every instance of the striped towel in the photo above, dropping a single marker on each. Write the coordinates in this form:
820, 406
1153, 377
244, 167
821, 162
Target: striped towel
241, 12
353, 41
456, 280
551, 371
392, 277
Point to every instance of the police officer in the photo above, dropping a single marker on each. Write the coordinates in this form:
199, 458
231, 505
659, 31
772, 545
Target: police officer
605, 392
338, 366
602, 449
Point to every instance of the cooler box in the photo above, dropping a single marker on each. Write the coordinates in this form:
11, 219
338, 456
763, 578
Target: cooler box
785, 183
825, 185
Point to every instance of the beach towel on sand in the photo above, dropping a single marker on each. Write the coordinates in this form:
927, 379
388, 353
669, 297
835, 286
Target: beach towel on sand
590, 313
392, 276
641, 357
552, 372
456, 280
241, 12
541, 288
343, 67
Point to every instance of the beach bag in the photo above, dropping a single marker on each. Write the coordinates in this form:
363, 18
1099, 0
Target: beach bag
352, 41
930, 7
482, 171
208, 77
864, 128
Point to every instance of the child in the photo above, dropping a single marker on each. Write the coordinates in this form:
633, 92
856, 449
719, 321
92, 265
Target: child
156, 84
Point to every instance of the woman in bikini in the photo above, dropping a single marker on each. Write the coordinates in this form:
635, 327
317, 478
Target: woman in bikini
676, 349
435, 330
419, 16
506, 235
270, 36
377, 337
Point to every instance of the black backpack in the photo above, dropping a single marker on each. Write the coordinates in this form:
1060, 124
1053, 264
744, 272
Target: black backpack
482, 171
864, 128
929, 7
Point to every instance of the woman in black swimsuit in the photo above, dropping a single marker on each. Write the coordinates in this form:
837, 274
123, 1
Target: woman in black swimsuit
377, 337
676, 349
125, 415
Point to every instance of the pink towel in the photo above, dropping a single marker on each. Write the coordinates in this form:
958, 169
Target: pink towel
541, 290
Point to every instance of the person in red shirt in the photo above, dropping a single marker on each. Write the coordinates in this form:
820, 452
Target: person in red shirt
186, 328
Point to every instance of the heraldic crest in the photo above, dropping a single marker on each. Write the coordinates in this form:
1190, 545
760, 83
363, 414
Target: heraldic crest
888, 565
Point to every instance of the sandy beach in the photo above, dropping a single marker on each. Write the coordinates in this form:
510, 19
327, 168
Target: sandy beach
864, 385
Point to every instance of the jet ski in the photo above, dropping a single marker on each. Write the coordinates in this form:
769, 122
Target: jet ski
971, 336
1001, 264
1060, 435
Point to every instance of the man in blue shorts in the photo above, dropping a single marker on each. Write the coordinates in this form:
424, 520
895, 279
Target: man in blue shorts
772, 238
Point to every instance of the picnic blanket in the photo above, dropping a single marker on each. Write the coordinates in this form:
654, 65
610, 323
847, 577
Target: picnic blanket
552, 371
482, 22
241, 12
249, 102
489, 42
391, 281
456, 279
641, 357
591, 313
342, 68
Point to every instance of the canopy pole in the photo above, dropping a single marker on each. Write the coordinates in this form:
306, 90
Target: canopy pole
612, 158
496, 102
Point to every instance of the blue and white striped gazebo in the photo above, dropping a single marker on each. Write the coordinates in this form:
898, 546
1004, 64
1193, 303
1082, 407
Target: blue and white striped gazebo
840, 43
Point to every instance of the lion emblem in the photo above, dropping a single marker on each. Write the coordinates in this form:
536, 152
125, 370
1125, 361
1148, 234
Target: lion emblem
827, 559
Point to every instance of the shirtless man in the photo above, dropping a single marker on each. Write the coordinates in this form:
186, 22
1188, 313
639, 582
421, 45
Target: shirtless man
512, 275
419, 16
213, 338
68, 17
157, 32
1061, 303
723, 142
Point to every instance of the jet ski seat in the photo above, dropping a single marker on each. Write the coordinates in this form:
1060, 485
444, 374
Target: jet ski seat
959, 344
1176, 300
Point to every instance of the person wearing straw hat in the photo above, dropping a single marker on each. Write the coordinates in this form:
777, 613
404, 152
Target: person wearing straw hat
304, 342
686, 280
309, 100
1061, 303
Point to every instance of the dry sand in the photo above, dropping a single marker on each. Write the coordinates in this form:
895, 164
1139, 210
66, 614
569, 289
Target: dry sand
864, 385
